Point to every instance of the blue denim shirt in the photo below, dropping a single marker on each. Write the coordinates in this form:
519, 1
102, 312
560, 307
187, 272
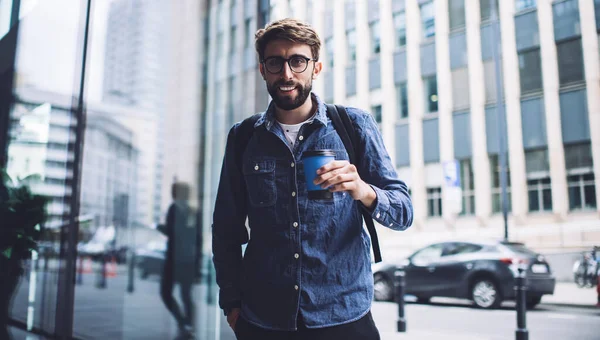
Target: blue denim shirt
309, 257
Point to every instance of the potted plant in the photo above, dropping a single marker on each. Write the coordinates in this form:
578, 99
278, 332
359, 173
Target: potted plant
21, 215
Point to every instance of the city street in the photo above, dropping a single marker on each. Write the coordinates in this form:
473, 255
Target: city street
112, 313
452, 320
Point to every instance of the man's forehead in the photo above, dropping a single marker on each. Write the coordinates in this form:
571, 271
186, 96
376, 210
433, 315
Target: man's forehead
285, 48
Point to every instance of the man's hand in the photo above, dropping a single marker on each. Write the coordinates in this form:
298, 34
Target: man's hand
232, 317
343, 176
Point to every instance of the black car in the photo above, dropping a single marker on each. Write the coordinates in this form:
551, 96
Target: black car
483, 272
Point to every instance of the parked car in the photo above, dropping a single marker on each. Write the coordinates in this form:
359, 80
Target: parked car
151, 258
483, 272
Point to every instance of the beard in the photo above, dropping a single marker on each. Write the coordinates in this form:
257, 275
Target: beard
288, 102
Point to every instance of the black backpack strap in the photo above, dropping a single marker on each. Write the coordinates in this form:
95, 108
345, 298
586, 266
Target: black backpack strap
342, 128
242, 137
343, 125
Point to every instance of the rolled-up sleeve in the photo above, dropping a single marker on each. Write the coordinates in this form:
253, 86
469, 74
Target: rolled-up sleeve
229, 231
393, 207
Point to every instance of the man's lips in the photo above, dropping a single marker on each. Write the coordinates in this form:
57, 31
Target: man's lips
286, 88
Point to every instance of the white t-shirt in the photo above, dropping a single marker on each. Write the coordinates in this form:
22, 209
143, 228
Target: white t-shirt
291, 131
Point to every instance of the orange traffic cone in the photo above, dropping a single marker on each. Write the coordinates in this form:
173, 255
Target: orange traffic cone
111, 268
87, 265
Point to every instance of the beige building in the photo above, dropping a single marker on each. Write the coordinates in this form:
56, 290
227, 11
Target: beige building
425, 70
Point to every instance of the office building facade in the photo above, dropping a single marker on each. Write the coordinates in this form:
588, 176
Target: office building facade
426, 71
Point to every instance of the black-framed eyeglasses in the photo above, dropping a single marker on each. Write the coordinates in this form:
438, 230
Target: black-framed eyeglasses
297, 63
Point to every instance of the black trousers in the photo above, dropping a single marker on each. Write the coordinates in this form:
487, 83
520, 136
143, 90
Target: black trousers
361, 329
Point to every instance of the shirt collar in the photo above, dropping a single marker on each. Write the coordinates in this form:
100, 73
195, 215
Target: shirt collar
268, 117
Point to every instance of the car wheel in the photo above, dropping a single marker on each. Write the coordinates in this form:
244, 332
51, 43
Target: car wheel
383, 288
533, 301
485, 294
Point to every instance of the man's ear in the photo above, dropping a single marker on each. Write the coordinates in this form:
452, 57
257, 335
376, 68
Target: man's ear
317, 69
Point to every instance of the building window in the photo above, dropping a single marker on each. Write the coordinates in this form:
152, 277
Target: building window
538, 180
376, 111
540, 194
351, 38
460, 89
402, 100
249, 33
570, 61
457, 14
232, 40
496, 187
375, 31
329, 50
428, 19
486, 9
580, 176
521, 5
431, 92
400, 28
530, 70
582, 192
468, 187
434, 202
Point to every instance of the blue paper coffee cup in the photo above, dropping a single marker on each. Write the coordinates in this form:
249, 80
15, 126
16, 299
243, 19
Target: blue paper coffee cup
313, 160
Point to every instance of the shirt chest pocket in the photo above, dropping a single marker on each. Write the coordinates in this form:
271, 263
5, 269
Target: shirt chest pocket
260, 182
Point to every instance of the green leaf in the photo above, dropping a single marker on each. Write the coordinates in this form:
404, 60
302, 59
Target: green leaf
7, 253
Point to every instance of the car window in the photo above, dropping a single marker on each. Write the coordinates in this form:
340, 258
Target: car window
461, 248
428, 255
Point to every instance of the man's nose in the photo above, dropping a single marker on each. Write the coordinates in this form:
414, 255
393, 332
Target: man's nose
287, 73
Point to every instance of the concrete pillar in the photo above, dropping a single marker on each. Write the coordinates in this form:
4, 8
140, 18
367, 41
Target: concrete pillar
512, 92
390, 103
339, 67
480, 160
560, 196
444, 80
415, 107
591, 61
363, 53
317, 17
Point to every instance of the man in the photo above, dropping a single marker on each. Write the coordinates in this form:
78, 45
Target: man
180, 262
306, 271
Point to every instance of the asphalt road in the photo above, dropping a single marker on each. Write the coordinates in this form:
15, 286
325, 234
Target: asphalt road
458, 320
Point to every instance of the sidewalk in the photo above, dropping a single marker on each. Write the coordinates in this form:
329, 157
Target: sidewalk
569, 294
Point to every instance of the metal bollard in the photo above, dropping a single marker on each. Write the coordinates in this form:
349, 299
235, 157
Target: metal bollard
101, 274
400, 283
130, 285
80, 270
522, 333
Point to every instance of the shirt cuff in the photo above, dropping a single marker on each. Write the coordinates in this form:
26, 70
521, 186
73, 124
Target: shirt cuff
381, 206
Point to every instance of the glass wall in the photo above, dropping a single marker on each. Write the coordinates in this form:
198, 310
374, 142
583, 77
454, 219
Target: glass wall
106, 124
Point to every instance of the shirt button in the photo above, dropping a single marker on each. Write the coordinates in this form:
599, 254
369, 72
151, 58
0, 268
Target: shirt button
295, 224
293, 194
296, 255
292, 165
301, 138
256, 167
296, 287
378, 214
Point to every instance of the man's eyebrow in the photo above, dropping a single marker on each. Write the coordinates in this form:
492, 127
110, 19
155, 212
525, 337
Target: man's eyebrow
292, 56
299, 55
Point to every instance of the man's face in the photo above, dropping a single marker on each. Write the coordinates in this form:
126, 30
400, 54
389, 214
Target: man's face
289, 89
